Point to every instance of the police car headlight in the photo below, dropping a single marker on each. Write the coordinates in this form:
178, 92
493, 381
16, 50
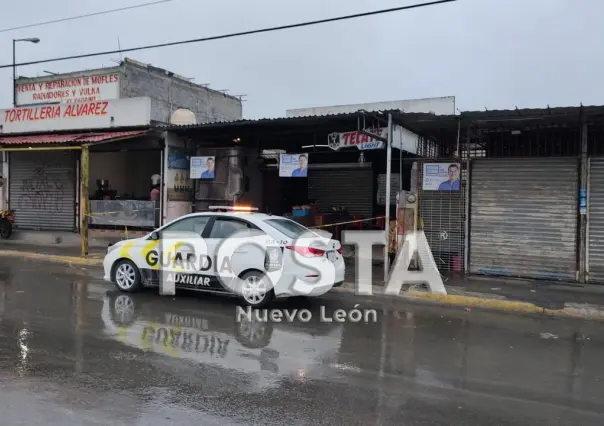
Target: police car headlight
113, 247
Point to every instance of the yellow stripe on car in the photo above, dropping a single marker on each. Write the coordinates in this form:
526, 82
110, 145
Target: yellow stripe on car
125, 250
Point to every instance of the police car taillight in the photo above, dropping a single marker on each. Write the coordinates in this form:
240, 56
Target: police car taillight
307, 251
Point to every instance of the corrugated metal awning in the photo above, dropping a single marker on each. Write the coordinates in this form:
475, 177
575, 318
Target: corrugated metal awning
73, 138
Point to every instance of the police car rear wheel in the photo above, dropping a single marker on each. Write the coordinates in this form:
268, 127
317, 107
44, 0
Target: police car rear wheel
127, 276
256, 290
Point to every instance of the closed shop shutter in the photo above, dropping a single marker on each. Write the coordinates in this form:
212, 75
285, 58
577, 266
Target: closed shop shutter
42, 189
596, 220
524, 218
351, 188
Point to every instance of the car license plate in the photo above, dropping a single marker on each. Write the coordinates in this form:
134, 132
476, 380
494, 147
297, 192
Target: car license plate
331, 255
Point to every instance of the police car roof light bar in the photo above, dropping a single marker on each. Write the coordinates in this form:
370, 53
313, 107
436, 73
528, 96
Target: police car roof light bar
234, 208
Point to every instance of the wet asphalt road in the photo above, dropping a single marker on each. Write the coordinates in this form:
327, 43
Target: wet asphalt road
73, 352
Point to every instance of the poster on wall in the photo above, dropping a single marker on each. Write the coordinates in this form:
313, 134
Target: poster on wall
177, 179
293, 165
441, 177
202, 167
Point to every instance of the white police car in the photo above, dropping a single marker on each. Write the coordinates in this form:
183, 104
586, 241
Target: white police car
232, 251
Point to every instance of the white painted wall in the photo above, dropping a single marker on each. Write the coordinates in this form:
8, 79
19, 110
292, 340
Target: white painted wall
438, 106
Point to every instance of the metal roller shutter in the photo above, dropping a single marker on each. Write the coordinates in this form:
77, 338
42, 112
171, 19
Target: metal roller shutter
524, 218
351, 188
596, 220
42, 189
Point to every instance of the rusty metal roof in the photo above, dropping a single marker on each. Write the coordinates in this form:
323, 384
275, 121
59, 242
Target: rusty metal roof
277, 120
75, 138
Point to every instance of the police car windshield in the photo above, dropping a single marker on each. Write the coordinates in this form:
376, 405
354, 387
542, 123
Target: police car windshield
288, 228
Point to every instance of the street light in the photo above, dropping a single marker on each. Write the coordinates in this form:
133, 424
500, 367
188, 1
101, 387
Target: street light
34, 40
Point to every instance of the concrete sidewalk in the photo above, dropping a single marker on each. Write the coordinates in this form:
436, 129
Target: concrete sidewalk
507, 295
57, 254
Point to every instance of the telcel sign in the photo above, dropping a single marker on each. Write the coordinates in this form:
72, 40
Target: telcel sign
401, 139
362, 141
129, 112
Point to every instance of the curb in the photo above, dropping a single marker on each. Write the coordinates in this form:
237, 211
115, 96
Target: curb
53, 258
575, 311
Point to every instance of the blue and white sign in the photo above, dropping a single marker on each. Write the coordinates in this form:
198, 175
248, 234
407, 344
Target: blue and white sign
441, 177
583, 201
293, 165
203, 167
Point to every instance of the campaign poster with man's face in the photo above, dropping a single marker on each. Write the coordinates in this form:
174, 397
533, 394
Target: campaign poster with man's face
441, 177
293, 165
203, 167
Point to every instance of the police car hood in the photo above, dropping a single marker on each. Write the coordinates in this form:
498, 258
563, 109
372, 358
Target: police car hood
130, 240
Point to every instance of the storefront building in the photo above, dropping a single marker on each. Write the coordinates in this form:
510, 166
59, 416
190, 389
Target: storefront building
42, 148
530, 198
320, 170
112, 112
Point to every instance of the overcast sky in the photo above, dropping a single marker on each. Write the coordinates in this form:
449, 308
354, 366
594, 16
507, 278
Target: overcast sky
487, 53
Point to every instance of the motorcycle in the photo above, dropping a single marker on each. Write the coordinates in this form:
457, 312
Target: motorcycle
7, 218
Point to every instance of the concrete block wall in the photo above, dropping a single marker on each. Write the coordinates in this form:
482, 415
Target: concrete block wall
169, 92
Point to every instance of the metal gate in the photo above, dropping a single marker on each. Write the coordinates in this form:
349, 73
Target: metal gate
523, 219
42, 189
595, 258
348, 187
442, 218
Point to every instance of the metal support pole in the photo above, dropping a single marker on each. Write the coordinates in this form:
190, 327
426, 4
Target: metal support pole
583, 217
387, 213
14, 74
467, 194
457, 152
84, 167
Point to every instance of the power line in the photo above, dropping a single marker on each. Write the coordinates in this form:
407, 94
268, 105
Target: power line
237, 34
88, 15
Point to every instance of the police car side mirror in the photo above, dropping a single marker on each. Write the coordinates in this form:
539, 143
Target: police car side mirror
155, 235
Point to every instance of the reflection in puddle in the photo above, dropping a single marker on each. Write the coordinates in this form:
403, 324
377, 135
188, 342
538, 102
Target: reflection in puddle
22, 365
265, 351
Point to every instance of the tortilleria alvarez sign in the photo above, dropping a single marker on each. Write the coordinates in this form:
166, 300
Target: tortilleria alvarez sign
85, 88
87, 115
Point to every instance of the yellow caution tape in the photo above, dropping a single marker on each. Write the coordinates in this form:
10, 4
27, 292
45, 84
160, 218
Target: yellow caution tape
346, 223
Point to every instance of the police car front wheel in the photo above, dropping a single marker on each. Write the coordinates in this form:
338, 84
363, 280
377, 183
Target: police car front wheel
256, 289
127, 277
